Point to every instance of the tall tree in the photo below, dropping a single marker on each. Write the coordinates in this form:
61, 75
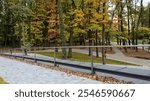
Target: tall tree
53, 34
149, 16
38, 17
71, 27
103, 34
128, 3
61, 28
138, 22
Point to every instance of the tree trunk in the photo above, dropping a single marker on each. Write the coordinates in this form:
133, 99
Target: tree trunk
103, 35
128, 10
96, 43
25, 52
70, 44
149, 19
71, 32
140, 14
90, 42
121, 22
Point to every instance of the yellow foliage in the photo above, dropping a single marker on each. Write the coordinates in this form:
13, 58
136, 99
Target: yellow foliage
53, 21
79, 15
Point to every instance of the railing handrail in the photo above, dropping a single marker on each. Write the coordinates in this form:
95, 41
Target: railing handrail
99, 46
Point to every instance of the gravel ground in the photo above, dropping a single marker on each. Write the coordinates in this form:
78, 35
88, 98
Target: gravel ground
15, 72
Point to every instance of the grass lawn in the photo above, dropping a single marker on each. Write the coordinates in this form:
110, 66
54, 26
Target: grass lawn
85, 58
2, 81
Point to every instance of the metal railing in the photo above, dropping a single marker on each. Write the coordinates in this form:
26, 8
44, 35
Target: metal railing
33, 51
33, 55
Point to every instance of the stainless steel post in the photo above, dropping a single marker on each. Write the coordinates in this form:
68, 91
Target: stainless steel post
35, 55
92, 65
54, 56
23, 54
0, 51
103, 55
10, 51
15, 52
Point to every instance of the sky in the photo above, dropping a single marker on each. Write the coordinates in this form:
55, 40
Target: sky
146, 2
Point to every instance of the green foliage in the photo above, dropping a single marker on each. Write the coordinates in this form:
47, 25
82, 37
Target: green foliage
144, 33
30, 23
39, 14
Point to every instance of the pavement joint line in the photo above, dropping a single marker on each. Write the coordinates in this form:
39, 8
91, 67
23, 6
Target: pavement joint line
121, 68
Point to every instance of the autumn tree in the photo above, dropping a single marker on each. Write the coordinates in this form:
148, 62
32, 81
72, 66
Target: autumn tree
61, 28
53, 34
138, 22
38, 17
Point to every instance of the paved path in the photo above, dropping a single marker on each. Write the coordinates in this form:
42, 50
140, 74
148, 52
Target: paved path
118, 56
125, 69
121, 57
15, 72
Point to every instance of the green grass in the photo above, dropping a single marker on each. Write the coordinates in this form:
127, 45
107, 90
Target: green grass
85, 58
2, 81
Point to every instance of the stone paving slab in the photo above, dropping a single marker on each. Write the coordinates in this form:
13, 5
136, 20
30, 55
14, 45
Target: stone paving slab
96, 65
109, 67
136, 71
15, 72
